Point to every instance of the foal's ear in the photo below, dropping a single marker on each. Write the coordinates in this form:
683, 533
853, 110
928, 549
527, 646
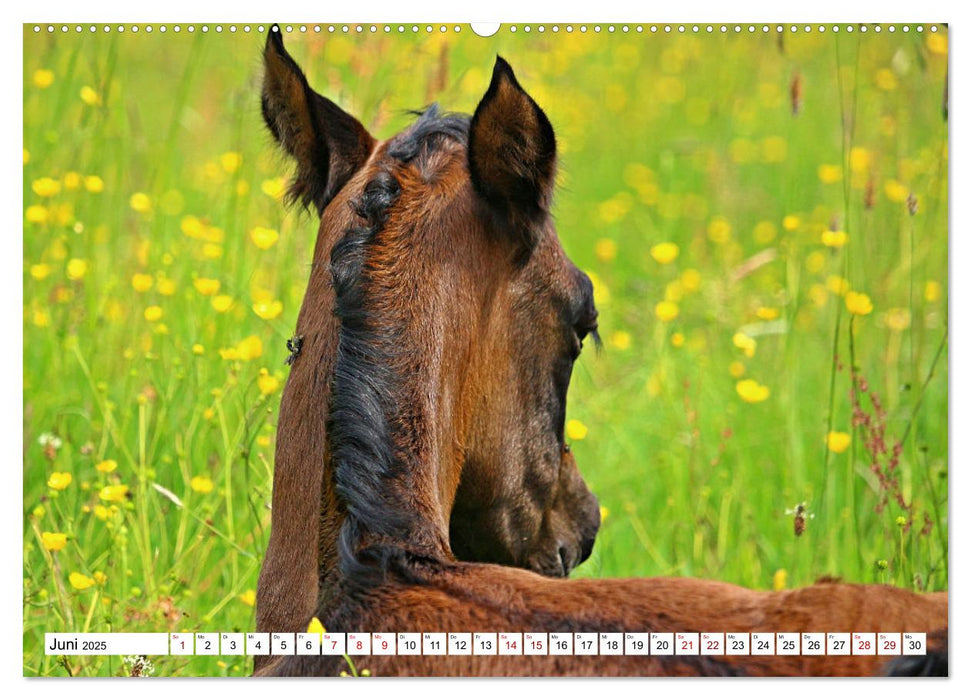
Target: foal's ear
328, 144
512, 150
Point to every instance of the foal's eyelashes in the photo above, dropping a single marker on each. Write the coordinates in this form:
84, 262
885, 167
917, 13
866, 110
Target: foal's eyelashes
588, 328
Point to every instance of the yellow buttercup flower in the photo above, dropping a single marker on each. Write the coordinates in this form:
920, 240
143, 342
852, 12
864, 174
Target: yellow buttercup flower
896, 191
615, 208
142, 282
885, 79
690, 280
90, 96
101, 512
767, 313
72, 181
45, 187
201, 484
206, 286
94, 184
79, 581
897, 319
222, 303
230, 161
198, 349
837, 285
76, 268
815, 261
60, 480
36, 214
837, 441
605, 249
666, 310
744, 343
932, 291
116, 493
267, 382
40, 271
250, 348
140, 202
107, 466
192, 226
828, 174
858, 303
43, 78
860, 160
673, 291
620, 340
736, 369
575, 430
834, 239
153, 313
248, 597
315, 626
719, 230
790, 222
677, 339
274, 187
268, 310
665, 253
100, 578
54, 541
212, 251
937, 43
264, 238
779, 580
166, 287
751, 391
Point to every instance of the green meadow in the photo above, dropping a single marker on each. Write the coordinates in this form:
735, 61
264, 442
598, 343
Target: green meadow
764, 216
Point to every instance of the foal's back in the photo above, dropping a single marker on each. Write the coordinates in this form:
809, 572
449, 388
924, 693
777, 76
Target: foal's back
485, 598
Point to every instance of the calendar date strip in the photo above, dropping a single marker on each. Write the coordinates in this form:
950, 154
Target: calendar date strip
488, 644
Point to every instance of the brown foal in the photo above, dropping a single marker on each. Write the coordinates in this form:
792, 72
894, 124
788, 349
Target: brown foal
422, 425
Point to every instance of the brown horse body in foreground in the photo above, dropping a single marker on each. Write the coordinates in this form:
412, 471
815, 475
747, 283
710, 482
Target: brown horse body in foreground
423, 418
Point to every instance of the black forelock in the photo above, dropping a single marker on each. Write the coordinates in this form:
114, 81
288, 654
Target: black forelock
429, 131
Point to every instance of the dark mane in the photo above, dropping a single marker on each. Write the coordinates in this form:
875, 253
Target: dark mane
363, 395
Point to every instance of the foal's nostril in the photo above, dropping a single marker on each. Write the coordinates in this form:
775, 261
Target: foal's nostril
566, 562
586, 549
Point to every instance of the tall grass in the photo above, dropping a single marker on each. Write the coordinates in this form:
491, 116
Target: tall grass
158, 302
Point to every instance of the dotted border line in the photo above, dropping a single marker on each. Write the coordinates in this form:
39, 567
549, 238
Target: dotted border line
512, 28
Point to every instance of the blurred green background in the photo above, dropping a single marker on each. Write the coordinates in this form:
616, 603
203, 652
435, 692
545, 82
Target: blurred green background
761, 213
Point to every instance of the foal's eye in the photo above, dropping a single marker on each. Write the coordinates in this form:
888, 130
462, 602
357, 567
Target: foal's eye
581, 331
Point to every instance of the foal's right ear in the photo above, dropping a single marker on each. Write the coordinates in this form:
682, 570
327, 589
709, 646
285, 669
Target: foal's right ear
512, 151
328, 144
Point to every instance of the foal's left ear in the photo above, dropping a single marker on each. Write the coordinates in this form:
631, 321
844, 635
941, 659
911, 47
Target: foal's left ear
328, 144
512, 151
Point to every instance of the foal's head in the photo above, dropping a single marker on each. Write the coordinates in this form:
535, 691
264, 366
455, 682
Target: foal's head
460, 320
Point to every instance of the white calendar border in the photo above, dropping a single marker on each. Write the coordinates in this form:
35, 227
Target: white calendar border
508, 10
